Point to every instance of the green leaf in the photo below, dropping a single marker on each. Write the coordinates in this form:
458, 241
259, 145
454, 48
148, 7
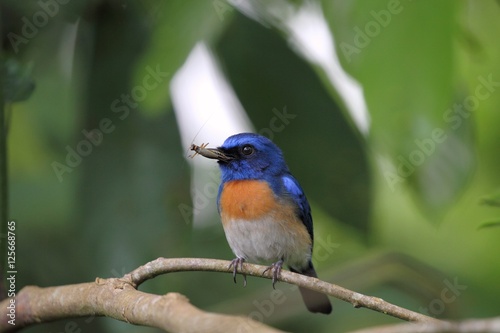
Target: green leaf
489, 224
406, 67
491, 200
178, 26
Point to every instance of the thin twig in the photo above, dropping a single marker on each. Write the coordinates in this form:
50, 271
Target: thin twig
487, 325
168, 265
119, 299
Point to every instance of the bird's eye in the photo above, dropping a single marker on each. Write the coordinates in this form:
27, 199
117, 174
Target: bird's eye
247, 150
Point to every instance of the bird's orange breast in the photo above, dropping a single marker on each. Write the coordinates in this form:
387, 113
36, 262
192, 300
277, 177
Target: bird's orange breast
247, 199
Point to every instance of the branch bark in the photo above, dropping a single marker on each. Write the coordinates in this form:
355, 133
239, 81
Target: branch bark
162, 266
119, 299
487, 325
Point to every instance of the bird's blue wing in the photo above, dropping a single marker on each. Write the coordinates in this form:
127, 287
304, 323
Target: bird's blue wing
294, 190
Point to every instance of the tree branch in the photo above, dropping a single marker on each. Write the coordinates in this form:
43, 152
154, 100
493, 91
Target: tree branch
487, 325
162, 266
119, 299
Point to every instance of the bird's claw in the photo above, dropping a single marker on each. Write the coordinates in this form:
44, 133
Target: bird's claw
235, 263
276, 268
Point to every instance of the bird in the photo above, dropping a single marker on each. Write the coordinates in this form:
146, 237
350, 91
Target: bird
264, 212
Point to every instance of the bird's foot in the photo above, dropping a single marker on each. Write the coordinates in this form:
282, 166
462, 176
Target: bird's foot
276, 269
235, 263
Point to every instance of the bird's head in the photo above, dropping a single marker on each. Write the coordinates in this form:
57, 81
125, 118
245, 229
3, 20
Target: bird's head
248, 156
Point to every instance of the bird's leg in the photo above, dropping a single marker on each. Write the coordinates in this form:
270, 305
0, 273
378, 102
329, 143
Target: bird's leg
235, 263
276, 268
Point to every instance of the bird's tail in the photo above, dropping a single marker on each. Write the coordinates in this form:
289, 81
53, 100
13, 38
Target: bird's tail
315, 301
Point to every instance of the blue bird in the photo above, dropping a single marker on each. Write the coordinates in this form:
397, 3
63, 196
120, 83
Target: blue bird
264, 211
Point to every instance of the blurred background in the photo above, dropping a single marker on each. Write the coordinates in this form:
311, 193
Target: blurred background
387, 112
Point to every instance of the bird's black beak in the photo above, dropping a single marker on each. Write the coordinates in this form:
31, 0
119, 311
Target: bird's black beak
213, 153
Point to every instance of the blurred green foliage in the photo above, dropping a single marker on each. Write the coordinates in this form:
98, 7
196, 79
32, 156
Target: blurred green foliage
396, 210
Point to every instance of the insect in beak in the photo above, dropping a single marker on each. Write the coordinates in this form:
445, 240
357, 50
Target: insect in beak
213, 153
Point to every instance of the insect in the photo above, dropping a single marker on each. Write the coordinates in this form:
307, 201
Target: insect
212, 153
199, 149
196, 148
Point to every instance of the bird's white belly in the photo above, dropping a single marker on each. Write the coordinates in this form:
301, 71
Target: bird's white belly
267, 240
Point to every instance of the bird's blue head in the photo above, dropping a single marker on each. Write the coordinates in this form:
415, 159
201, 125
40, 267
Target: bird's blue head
249, 156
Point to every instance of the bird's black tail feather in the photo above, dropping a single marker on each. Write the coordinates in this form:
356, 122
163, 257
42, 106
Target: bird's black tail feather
315, 301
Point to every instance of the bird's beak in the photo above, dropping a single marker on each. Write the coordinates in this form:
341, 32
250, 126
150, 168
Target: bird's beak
213, 153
